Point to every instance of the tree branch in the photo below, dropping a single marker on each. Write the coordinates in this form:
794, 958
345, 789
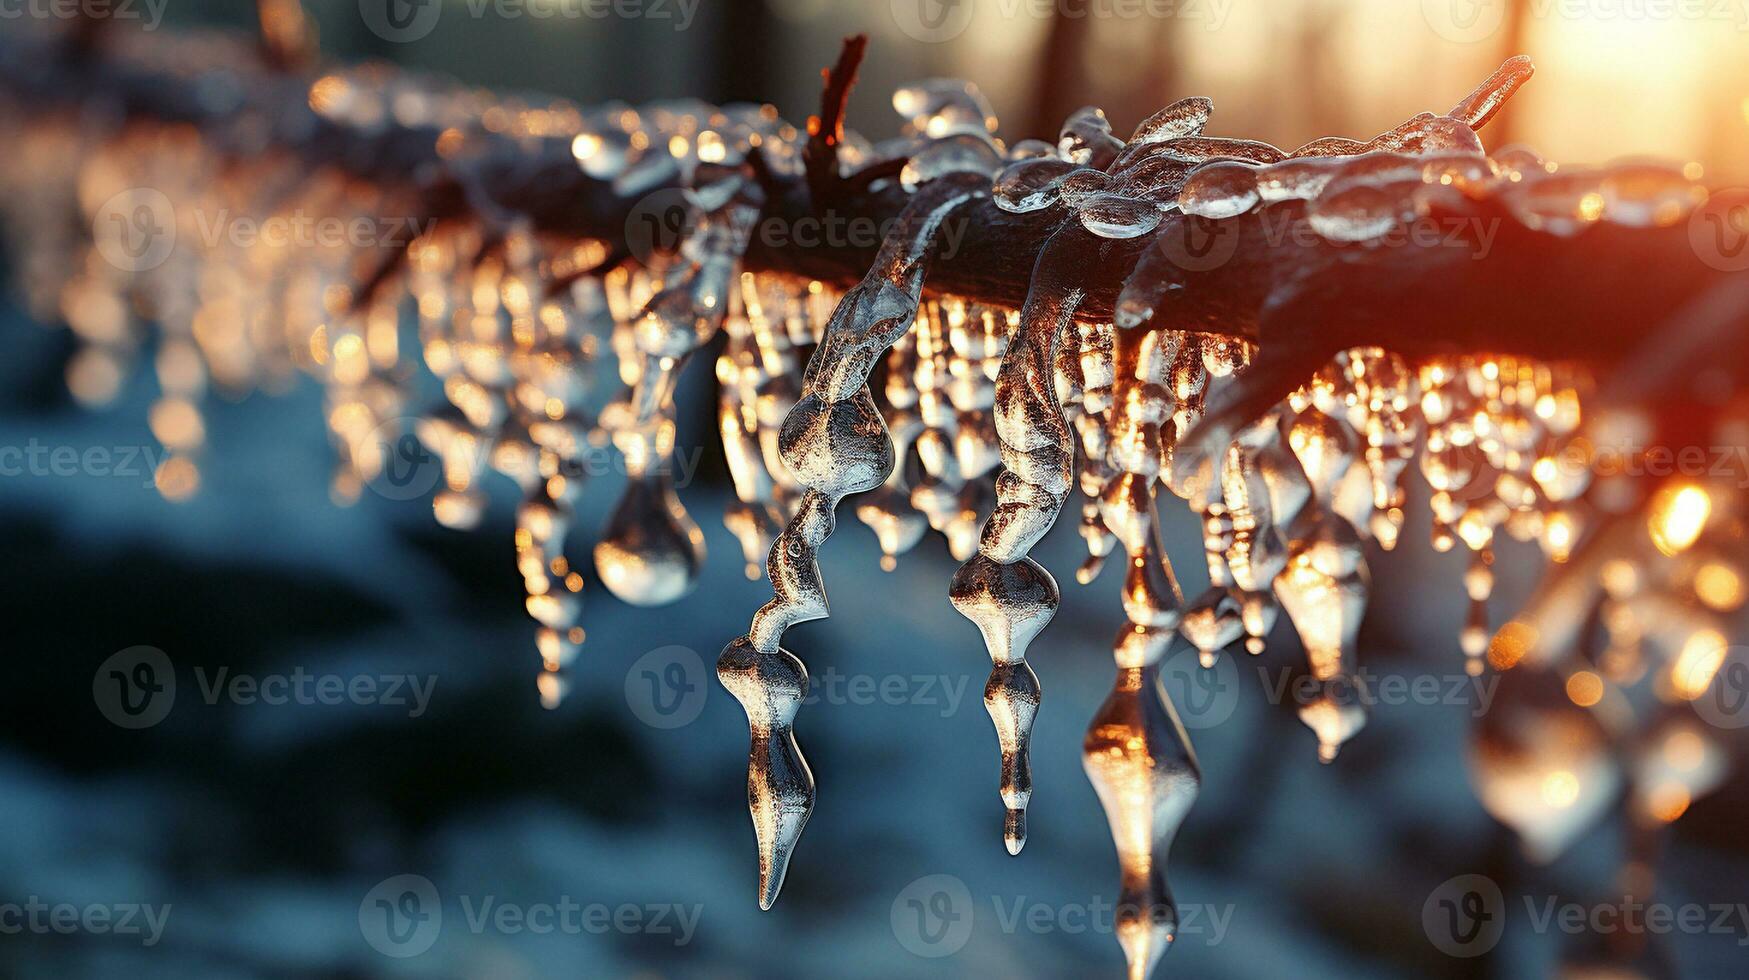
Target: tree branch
1504, 288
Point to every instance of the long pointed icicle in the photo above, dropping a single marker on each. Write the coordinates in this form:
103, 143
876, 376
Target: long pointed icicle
1136, 753
1008, 596
834, 443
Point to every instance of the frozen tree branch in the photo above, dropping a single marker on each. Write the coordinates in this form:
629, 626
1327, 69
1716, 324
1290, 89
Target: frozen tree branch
1495, 285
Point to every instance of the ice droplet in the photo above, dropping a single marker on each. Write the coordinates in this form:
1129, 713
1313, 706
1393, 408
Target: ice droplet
1297, 180
1323, 589
1649, 196
1220, 190
650, 552
1030, 185
1213, 622
1114, 216
961, 153
1564, 203
1186, 117
1362, 212
1086, 138
938, 107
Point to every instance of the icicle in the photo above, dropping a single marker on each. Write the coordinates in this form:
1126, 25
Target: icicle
1140, 762
1010, 604
1136, 753
834, 443
650, 552
1038, 452
1323, 587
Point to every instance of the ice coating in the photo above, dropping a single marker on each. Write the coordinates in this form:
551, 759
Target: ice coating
1030, 184
961, 153
1037, 446
939, 107
1359, 192
834, 443
1086, 138
1220, 190
1186, 117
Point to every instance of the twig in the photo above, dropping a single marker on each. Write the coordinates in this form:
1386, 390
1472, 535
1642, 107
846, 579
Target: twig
826, 130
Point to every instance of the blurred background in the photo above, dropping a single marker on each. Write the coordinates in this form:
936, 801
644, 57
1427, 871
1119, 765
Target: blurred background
263, 836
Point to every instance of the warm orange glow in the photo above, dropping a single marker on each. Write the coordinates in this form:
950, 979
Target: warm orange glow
1585, 688
1678, 515
1685, 751
1699, 659
1667, 801
176, 423
1719, 586
1560, 789
585, 146
177, 478
1620, 578
1511, 644
1559, 533
94, 376
326, 92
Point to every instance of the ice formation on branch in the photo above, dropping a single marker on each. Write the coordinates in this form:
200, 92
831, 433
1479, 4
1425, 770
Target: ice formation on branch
1293, 450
